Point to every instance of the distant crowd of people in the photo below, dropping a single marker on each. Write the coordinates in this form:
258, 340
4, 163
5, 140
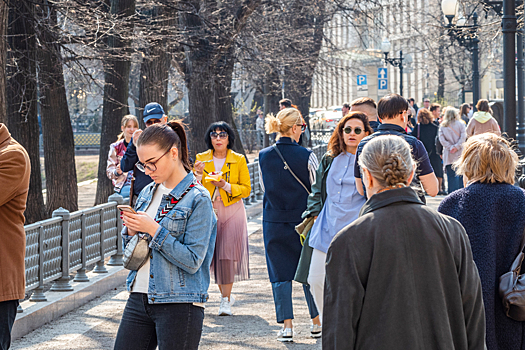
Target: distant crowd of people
379, 269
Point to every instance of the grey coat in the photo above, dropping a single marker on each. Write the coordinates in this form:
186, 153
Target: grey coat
402, 277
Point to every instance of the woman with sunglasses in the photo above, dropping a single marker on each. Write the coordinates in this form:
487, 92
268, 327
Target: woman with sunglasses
334, 201
285, 197
166, 304
230, 259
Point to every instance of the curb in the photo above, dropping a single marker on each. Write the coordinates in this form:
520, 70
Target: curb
36, 314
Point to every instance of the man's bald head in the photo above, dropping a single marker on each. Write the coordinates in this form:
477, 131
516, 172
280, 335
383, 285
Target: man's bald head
365, 105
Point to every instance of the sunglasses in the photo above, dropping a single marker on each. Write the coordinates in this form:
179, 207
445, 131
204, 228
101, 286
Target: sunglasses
358, 130
221, 135
303, 126
153, 121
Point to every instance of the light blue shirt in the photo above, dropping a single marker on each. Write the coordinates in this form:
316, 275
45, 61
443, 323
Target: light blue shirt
342, 204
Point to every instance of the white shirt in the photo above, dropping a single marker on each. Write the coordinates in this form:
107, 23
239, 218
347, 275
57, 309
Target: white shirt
142, 279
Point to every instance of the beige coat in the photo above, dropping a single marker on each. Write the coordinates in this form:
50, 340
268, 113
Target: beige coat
474, 127
15, 169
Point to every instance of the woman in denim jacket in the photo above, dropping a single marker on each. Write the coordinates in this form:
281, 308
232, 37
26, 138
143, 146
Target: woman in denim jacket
166, 304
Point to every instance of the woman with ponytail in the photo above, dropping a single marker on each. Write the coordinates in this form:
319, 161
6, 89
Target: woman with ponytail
284, 201
402, 275
166, 304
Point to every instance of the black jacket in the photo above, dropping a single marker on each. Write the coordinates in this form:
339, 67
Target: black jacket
402, 277
128, 162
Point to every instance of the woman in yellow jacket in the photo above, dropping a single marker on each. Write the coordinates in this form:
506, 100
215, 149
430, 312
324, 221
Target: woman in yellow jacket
230, 259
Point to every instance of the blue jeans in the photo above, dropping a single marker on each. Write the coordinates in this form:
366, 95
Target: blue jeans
7, 318
454, 182
282, 298
124, 191
168, 325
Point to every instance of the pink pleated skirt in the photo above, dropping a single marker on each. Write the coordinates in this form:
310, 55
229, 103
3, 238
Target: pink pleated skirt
230, 261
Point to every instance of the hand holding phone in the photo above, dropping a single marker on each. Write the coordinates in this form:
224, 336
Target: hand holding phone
127, 208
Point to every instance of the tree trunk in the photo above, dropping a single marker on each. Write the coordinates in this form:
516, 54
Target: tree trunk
223, 98
59, 146
154, 76
22, 99
116, 91
201, 87
3, 34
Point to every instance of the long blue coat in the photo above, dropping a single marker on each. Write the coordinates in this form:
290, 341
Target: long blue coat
283, 203
494, 217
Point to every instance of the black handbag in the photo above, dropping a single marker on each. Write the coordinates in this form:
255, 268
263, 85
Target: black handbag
512, 288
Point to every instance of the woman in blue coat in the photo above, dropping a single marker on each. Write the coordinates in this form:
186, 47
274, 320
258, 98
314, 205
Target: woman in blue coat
284, 201
492, 210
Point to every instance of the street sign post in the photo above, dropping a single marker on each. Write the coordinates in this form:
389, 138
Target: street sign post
382, 79
362, 86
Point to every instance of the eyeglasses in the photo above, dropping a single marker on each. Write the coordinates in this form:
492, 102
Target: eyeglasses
221, 135
153, 121
150, 165
358, 130
303, 126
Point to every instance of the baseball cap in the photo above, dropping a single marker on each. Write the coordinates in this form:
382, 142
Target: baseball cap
153, 110
426, 100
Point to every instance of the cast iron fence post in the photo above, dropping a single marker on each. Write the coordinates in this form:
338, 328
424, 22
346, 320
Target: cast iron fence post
62, 284
117, 259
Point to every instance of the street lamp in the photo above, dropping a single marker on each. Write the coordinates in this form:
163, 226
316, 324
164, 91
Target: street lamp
512, 55
396, 61
467, 36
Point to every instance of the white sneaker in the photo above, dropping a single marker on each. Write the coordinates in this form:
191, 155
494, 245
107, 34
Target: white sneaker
232, 300
315, 331
285, 335
225, 309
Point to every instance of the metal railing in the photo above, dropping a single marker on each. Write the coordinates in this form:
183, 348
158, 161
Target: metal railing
70, 242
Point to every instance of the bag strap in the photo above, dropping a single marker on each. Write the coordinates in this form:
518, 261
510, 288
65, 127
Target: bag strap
286, 166
172, 203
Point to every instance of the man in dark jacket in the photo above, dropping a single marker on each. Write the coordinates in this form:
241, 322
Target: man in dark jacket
393, 111
153, 114
402, 277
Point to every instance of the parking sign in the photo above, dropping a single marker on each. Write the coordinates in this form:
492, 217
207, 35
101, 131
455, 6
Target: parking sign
362, 86
382, 79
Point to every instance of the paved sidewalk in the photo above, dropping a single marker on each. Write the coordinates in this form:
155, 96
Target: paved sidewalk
253, 326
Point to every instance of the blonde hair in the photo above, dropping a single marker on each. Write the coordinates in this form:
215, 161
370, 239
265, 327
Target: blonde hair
487, 158
283, 122
125, 120
451, 114
388, 159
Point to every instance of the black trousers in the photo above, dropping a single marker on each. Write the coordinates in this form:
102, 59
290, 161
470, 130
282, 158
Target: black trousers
7, 318
170, 326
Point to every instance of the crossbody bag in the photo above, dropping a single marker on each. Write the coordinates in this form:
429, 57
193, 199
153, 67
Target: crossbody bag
287, 167
137, 251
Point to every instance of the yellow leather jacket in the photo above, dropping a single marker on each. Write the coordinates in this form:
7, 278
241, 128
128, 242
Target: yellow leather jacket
235, 172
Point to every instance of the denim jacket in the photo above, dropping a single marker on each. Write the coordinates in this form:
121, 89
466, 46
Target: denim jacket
182, 247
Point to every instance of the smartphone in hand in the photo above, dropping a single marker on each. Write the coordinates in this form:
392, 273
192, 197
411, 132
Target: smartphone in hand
126, 208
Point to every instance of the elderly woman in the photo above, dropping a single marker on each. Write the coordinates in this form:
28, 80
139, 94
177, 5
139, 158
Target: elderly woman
334, 200
230, 259
284, 202
401, 276
452, 135
492, 211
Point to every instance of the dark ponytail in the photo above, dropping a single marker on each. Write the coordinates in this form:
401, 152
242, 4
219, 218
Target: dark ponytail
167, 136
